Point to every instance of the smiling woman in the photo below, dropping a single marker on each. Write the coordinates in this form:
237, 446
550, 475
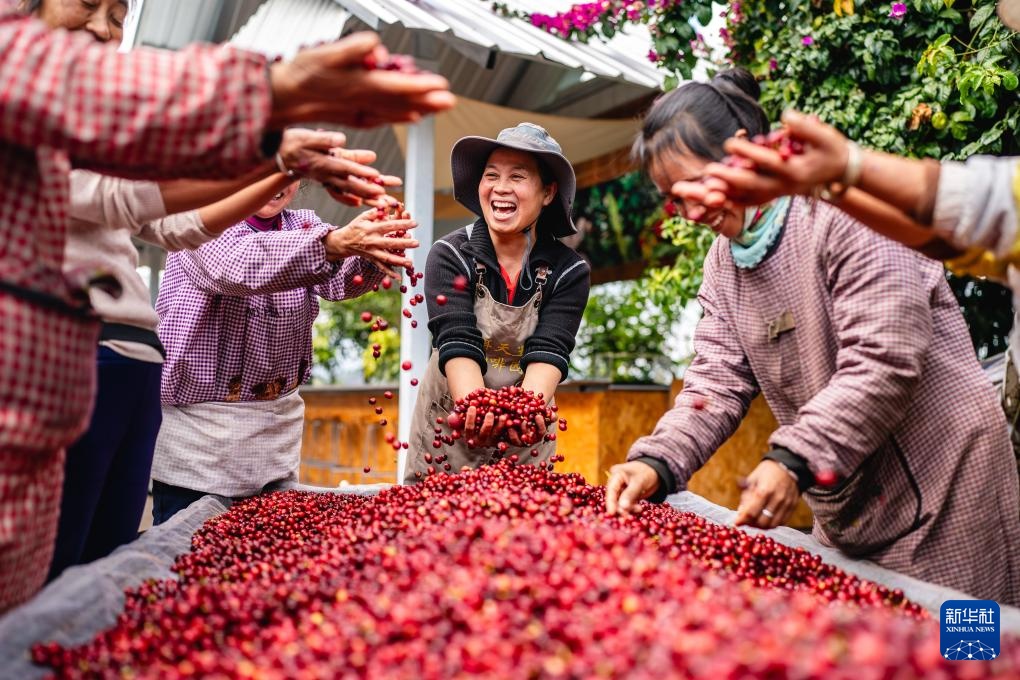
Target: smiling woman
888, 425
515, 322
102, 18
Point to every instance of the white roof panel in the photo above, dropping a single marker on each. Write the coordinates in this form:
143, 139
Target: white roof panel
282, 26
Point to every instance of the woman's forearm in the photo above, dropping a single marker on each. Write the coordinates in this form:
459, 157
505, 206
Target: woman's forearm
464, 376
887, 219
227, 212
906, 184
188, 194
542, 379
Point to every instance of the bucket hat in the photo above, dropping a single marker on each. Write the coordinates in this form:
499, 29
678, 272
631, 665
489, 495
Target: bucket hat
470, 154
1009, 12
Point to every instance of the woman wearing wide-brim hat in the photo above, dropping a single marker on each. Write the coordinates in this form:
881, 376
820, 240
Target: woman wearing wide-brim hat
514, 294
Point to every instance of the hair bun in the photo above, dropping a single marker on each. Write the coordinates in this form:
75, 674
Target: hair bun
740, 80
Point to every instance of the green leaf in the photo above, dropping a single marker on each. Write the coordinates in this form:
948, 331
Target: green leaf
942, 40
981, 16
704, 15
1009, 80
990, 137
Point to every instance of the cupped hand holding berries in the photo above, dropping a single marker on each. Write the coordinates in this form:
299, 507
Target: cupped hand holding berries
628, 485
484, 432
489, 430
345, 173
331, 83
763, 173
769, 497
368, 237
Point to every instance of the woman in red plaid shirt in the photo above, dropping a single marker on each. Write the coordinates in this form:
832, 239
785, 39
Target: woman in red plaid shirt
203, 112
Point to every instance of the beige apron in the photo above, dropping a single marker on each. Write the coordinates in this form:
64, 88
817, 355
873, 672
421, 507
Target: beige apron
504, 329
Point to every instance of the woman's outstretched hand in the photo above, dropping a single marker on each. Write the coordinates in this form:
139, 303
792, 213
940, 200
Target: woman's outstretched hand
347, 174
628, 485
762, 174
332, 83
364, 237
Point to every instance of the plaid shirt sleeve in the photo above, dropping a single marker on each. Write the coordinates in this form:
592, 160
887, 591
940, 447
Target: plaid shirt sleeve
341, 286
243, 262
718, 389
199, 112
882, 317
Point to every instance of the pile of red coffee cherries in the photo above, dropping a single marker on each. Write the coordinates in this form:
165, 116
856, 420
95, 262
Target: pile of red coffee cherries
516, 412
508, 571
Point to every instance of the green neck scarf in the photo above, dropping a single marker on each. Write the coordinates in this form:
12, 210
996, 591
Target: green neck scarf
756, 241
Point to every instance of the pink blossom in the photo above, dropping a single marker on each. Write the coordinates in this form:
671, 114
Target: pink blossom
652, 56
898, 10
807, 41
773, 64
726, 37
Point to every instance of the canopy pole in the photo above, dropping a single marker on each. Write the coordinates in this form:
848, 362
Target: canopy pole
416, 344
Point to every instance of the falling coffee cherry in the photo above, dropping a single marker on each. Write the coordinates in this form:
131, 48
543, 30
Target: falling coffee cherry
358, 280
414, 382
825, 478
406, 365
387, 283
460, 283
378, 410
372, 400
414, 324
388, 394
698, 402
440, 299
366, 317
367, 469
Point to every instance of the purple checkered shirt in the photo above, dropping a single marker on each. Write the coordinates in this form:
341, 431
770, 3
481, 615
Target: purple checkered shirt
236, 314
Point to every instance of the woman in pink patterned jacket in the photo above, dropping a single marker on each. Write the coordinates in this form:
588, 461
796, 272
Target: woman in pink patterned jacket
887, 424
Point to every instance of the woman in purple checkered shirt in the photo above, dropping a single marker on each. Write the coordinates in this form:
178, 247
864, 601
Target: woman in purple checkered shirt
236, 319
887, 423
